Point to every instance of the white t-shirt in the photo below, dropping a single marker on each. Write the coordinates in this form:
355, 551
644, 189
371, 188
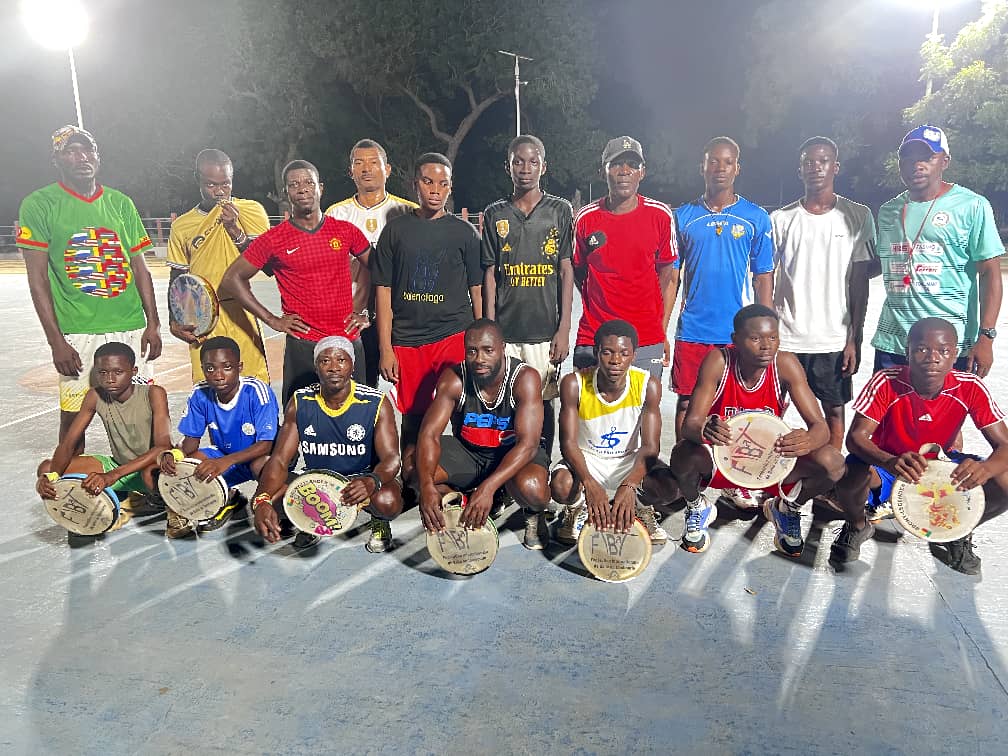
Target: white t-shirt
812, 258
370, 220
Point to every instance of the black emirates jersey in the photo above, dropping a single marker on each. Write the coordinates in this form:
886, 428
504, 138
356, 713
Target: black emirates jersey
429, 265
527, 252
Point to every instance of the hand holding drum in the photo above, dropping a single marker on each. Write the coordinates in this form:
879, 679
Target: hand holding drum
459, 550
933, 506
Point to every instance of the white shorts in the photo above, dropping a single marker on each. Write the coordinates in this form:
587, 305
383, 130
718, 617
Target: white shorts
609, 472
72, 389
538, 357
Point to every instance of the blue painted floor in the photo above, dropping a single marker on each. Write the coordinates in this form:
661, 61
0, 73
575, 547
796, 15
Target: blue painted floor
138, 645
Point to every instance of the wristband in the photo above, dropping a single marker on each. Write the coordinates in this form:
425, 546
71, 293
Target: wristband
376, 479
51, 476
263, 498
628, 485
178, 454
242, 238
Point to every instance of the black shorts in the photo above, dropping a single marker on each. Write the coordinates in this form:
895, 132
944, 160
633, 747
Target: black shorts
467, 469
826, 378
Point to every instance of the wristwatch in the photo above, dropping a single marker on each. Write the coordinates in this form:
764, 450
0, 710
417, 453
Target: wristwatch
990, 333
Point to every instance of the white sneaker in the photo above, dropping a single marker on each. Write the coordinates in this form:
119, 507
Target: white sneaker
740, 498
571, 521
649, 518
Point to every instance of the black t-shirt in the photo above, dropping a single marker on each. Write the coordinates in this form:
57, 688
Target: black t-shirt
429, 265
527, 253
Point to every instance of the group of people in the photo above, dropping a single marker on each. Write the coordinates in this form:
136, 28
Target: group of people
471, 328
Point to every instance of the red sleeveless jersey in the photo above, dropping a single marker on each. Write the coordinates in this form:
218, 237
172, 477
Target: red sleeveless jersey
733, 397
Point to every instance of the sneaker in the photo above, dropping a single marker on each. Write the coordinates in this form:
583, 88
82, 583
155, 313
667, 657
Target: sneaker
571, 521
235, 503
739, 498
698, 517
646, 514
178, 526
961, 556
141, 504
847, 545
381, 537
304, 540
501, 501
880, 512
537, 536
787, 527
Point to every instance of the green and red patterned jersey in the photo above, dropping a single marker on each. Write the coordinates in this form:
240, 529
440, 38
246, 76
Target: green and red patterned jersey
90, 241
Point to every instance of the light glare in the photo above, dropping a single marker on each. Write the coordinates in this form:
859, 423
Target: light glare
57, 24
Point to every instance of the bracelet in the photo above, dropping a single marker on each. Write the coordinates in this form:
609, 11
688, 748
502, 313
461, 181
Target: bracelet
628, 485
51, 476
376, 479
242, 238
263, 498
176, 453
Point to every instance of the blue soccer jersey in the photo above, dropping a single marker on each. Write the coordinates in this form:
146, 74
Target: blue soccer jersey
717, 253
251, 416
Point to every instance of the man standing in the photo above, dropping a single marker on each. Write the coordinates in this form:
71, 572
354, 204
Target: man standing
205, 241
494, 404
726, 255
624, 255
938, 247
528, 280
309, 257
83, 247
369, 209
428, 278
824, 245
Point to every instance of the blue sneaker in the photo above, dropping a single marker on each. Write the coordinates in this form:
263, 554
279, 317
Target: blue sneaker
787, 527
698, 517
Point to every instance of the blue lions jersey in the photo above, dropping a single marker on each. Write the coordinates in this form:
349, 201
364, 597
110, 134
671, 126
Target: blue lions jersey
717, 252
250, 416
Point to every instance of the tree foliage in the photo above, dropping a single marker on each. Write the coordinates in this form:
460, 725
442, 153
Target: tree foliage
970, 99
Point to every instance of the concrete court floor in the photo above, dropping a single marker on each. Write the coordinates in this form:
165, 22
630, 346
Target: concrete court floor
140, 645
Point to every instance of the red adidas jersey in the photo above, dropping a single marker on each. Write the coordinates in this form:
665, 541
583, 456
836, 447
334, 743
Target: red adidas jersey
907, 421
622, 253
733, 396
312, 270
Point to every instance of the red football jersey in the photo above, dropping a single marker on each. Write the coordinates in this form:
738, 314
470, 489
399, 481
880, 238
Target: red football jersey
312, 271
733, 397
621, 253
907, 421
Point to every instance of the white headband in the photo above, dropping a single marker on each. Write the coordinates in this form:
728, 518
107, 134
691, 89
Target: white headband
334, 342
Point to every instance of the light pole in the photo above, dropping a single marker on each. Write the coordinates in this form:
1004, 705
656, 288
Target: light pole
58, 25
518, 83
933, 36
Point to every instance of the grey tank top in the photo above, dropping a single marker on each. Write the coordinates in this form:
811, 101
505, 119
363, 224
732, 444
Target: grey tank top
129, 424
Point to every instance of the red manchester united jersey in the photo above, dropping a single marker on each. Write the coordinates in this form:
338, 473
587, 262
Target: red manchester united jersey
312, 270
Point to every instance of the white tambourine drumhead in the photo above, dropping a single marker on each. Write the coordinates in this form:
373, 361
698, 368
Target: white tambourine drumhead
79, 511
458, 550
615, 557
313, 504
190, 497
750, 461
933, 509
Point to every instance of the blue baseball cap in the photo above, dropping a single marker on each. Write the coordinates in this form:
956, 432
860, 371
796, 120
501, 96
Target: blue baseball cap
930, 135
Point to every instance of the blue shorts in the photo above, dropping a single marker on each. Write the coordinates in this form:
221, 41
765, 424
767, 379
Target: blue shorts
880, 495
233, 475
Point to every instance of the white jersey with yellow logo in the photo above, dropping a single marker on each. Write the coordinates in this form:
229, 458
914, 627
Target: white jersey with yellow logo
370, 220
610, 429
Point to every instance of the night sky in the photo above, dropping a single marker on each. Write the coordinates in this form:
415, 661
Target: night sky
673, 75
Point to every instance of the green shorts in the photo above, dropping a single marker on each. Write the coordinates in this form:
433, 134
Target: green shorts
132, 482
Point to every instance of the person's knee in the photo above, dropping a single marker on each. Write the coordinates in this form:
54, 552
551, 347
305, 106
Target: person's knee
688, 458
562, 485
387, 503
530, 488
